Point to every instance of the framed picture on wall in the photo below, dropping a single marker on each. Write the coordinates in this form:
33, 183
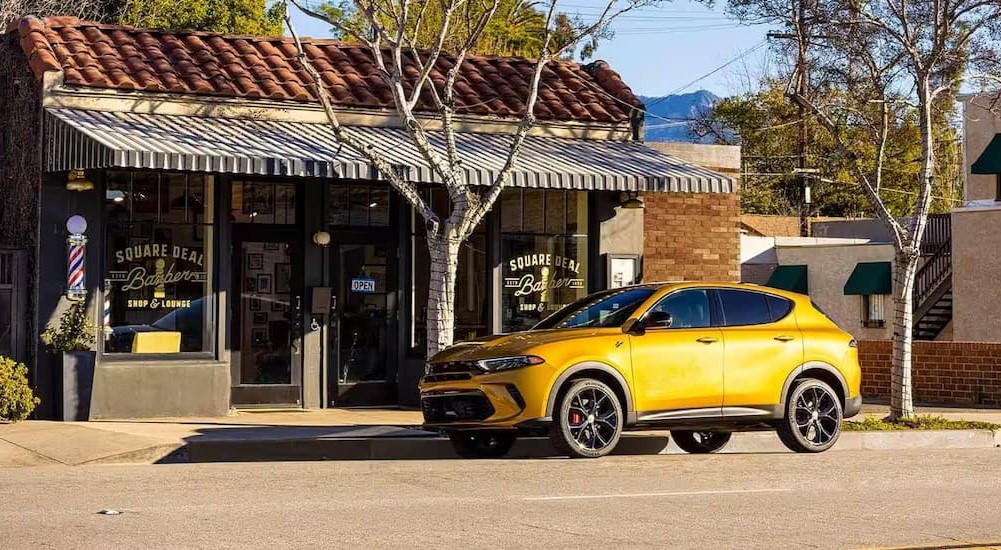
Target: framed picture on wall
260, 318
255, 261
259, 337
264, 283
283, 276
250, 285
255, 304
277, 306
271, 246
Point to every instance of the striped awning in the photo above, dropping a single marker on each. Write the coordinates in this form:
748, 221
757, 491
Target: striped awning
96, 139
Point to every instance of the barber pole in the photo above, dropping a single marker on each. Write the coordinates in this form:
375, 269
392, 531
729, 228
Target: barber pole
76, 286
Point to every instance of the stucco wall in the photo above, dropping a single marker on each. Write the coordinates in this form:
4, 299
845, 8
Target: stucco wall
976, 300
979, 127
829, 266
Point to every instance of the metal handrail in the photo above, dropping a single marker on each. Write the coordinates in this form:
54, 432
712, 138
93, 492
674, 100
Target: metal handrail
933, 273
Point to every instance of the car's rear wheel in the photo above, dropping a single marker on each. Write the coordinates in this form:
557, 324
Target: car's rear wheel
813, 417
481, 444
588, 420
700, 442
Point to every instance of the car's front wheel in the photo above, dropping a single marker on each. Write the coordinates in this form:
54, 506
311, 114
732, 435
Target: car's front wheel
700, 442
481, 444
588, 420
813, 417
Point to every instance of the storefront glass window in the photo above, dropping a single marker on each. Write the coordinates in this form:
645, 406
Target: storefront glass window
159, 254
543, 259
263, 202
359, 205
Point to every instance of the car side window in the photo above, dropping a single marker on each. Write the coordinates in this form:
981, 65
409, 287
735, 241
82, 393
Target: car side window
688, 308
778, 307
742, 308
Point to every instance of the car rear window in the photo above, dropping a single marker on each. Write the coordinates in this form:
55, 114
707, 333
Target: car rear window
741, 308
778, 307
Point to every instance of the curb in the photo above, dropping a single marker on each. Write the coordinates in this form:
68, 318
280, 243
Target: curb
434, 447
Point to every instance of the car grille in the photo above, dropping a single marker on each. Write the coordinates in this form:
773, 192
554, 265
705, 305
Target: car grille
456, 407
453, 370
448, 376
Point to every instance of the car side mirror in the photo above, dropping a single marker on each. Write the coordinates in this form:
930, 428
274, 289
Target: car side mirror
658, 319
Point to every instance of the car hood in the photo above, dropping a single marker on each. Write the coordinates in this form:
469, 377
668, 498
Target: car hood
502, 345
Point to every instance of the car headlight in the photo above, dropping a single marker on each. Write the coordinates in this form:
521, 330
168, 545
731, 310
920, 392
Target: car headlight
508, 363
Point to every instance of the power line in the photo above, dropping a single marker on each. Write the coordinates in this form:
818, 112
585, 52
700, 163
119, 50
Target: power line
753, 49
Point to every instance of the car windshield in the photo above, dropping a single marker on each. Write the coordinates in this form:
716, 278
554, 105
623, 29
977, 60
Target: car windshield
604, 309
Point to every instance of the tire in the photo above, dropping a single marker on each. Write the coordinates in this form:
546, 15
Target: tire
700, 442
481, 444
588, 420
813, 416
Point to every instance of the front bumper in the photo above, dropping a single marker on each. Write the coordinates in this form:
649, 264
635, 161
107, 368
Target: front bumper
502, 400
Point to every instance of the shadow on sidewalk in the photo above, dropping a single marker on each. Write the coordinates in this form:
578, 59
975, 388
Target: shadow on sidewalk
245, 443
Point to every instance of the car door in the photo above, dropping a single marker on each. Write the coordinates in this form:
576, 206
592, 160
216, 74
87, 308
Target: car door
679, 366
762, 345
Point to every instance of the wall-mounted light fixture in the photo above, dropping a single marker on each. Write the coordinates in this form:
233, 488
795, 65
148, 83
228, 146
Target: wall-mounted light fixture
630, 199
77, 180
321, 238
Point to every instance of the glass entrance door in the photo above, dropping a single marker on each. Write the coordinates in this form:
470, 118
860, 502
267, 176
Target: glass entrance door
363, 350
267, 327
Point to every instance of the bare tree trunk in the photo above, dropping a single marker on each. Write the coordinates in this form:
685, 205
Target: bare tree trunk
444, 251
901, 395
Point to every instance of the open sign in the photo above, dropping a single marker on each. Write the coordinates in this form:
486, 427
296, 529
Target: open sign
363, 285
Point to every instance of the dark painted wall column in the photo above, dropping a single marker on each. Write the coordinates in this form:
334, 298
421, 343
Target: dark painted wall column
57, 205
315, 260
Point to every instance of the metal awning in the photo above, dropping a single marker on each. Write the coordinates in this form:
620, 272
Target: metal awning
989, 162
97, 139
870, 278
790, 277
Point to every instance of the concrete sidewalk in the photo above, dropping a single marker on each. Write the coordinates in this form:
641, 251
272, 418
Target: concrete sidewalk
294, 434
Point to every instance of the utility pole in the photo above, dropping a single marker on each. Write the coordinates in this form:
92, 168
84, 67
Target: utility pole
804, 143
801, 36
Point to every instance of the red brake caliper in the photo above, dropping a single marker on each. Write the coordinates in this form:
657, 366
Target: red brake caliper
575, 417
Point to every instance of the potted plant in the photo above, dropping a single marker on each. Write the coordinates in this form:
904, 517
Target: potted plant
73, 340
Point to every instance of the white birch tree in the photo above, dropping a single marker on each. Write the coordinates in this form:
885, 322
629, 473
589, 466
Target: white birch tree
388, 32
887, 58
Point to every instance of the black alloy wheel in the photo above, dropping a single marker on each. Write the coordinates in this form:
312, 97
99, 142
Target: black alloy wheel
481, 444
700, 442
812, 423
588, 420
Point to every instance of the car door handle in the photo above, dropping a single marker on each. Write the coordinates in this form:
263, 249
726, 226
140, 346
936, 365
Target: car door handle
706, 340
784, 338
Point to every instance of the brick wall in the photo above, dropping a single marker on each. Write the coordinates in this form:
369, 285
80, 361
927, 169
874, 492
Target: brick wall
945, 373
691, 236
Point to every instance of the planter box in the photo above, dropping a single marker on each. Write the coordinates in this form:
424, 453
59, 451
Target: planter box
77, 384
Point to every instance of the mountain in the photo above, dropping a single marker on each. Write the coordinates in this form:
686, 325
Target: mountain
678, 108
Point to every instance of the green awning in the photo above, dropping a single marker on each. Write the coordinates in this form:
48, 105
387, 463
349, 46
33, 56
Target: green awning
790, 277
870, 278
989, 161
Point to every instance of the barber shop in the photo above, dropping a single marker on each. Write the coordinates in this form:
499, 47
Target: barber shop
187, 191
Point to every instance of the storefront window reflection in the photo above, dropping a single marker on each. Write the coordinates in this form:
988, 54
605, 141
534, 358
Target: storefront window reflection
543, 259
158, 263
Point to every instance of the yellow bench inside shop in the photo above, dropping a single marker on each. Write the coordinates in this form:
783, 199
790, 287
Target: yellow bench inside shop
156, 342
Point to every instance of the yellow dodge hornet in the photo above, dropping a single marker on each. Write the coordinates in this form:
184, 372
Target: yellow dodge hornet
703, 360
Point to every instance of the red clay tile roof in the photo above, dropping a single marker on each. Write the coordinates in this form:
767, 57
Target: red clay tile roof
126, 58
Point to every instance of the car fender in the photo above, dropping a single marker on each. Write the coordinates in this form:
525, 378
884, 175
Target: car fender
589, 365
810, 365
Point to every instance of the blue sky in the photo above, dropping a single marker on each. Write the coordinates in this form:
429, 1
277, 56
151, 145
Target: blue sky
659, 50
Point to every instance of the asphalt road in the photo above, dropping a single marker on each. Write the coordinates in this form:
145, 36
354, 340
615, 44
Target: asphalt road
834, 500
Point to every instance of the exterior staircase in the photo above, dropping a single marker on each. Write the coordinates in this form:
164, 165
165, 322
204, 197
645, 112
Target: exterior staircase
933, 292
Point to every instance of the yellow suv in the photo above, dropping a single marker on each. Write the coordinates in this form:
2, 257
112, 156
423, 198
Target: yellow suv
702, 360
